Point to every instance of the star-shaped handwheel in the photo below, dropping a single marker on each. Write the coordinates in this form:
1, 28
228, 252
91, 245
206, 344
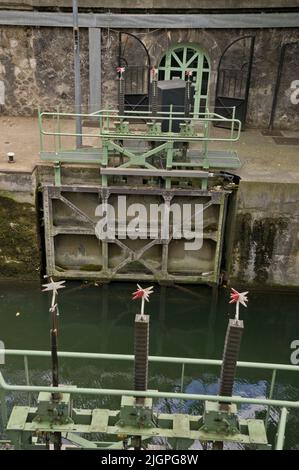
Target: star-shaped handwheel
141, 293
240, 297
53, 286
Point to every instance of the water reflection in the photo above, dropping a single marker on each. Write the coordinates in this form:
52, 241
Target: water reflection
185, 322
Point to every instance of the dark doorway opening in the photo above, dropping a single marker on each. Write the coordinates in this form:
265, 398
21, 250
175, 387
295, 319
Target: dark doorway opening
134, 56
233, 82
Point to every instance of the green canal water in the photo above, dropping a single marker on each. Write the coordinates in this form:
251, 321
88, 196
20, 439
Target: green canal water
185, 322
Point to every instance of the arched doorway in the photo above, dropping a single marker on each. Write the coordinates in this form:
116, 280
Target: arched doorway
188, 57
233, 81
134, 56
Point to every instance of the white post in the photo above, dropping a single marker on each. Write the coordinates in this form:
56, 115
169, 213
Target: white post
142, 306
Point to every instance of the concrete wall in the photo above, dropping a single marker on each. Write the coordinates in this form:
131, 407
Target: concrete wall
265, 247
36, 68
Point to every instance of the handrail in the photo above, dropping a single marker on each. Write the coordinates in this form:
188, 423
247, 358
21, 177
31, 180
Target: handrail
111, 112
167, 359
284, 405
176, 116
104, 126
150, 394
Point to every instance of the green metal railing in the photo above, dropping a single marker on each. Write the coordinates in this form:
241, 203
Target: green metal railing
183, 362
109, 124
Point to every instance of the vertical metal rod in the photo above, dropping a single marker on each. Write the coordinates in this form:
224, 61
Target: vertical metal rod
119, 47
205, 142
162, 308
210, 338
170, 118
154, 94
26, 368
235, 85
277, 84
4, 416
55, 370
182, 377
54, 354
121, 96
248, 77
78, 101
187, 97
54, 134
281, 429
233, 123
58, 128
272, 385
40, 125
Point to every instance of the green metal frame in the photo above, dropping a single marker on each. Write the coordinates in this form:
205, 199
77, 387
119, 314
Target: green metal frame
217, 199
179, 426
184, 65
120, 151
112, 129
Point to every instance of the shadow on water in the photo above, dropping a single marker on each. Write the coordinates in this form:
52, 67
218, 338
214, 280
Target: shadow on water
185, 322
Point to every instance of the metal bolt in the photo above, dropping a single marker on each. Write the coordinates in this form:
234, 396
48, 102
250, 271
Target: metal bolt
11, 156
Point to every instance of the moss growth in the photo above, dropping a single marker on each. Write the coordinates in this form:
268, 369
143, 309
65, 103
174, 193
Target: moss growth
19, 250
257, 245
90, 267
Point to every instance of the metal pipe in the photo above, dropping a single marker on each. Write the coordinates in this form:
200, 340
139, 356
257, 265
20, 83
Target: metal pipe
40, 126
145, 114
150, 394
277, 85
78, 99
182, 377
130, 357
4, 415
26, 368
281, 429
247, 87
273, 379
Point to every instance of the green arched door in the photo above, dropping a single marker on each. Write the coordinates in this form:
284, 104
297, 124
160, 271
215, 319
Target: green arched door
186, 57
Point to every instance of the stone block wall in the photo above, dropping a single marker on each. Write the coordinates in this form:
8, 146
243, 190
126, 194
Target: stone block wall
36, 68
214, 42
